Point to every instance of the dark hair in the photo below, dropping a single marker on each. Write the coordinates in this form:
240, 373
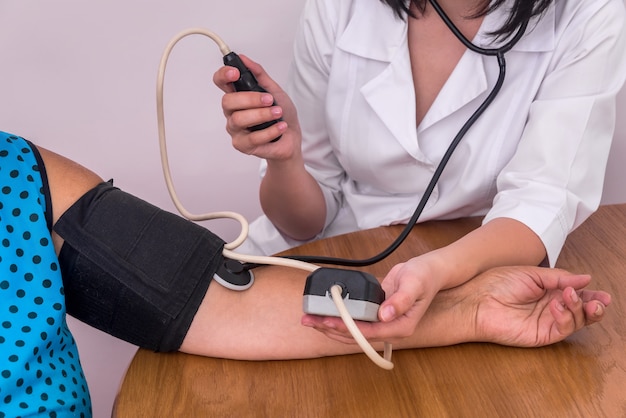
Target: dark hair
521, 11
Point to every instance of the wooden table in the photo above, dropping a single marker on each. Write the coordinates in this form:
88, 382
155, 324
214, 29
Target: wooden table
584, 376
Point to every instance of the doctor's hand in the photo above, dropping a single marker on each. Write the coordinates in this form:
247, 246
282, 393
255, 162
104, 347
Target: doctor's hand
409, 288
250, 108
515, 306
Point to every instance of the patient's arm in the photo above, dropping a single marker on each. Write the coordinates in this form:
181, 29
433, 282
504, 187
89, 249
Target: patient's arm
520, 306
68, 181
516, 306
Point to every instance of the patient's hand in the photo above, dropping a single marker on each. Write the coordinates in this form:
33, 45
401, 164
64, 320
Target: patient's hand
533, 306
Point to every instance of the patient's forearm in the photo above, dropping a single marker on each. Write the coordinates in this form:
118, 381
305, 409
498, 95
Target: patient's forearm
264, 322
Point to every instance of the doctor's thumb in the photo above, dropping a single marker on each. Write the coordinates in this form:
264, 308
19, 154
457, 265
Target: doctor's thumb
387, 313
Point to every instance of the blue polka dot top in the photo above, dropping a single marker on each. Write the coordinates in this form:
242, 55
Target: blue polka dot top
40, 372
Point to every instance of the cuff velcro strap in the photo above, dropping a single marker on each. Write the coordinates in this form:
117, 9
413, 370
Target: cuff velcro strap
131, 268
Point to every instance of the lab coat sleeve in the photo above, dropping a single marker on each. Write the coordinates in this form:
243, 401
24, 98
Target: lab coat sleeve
554, 181
308, 82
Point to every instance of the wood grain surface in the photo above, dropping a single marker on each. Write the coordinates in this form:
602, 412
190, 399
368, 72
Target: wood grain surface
584, 376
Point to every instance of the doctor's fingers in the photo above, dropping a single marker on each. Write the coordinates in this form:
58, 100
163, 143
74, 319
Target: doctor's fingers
251, 118
407, 296
262, 143
334, 328
246, 113
246, 100
224, 77
263, 78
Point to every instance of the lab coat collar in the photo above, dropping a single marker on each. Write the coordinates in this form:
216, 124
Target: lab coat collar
374, 32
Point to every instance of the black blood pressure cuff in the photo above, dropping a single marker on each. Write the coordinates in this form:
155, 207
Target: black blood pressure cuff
133, 270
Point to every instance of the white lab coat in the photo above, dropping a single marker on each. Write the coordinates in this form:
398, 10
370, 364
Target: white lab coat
537, 155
